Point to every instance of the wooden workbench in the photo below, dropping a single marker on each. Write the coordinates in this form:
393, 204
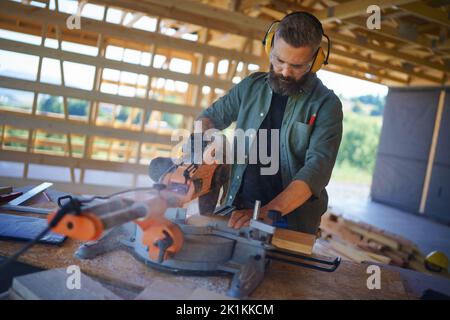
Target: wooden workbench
282, 281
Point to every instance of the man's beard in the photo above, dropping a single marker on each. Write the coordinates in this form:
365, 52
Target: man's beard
285, 86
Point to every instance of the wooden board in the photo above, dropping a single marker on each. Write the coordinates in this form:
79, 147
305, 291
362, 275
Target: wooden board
281, 281
52, 285
374, 244
121, 269
171, 289
349, 281
166, 290
293, 241
373, 236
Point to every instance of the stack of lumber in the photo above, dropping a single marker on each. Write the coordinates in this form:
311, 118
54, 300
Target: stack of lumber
358, 241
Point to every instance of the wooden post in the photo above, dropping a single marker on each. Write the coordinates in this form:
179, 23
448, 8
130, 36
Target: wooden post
31, 132
432, 154
145, 112
2, 136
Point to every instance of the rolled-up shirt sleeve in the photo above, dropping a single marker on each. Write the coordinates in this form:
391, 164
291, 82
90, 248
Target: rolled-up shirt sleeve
323, 147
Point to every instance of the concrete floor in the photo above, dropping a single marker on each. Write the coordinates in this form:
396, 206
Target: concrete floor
354, 201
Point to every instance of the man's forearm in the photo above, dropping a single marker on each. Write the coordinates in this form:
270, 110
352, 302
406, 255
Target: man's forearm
296, 193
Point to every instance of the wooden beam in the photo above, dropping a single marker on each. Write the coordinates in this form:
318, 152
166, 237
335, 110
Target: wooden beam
432, 154
129, 34
369, 70
382, 50
196, 13
26, 121
69, 187
352, 73
372, 235
422, 10
103, 62
381, 64
72, 162
354, 8
337, 37
56, 90
133, 20
273, 13
250, 4
395, 34
290, 6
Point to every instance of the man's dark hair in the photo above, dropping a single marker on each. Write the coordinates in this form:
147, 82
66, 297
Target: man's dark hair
299, 30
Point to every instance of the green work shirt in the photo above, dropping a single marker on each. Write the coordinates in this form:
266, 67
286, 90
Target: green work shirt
307, 153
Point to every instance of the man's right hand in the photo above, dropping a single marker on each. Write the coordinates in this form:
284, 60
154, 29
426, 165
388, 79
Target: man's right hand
240, 218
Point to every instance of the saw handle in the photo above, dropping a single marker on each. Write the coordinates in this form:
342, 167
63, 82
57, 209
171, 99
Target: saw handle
163, 238
163, 245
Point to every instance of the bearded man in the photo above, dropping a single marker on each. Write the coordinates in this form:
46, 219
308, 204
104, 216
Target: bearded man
291, 101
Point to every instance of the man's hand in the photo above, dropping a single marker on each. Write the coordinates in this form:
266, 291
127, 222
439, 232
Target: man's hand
241, 218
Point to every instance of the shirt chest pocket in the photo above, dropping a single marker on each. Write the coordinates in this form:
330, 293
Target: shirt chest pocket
299, 138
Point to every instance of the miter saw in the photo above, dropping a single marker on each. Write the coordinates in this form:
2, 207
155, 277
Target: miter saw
152, 224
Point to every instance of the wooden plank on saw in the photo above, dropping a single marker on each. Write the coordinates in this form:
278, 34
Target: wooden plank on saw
293, 241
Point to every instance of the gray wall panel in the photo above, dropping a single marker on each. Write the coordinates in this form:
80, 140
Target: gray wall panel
398, 182
405, 141
408, 123
438, 201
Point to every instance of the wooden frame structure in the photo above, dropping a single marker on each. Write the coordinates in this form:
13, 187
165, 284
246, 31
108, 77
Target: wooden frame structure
412, 47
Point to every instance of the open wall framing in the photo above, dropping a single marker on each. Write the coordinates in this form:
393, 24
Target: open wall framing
134, 101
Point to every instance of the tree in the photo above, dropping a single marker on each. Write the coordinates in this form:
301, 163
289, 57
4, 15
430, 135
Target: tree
51, 104
359, 141
357, 108
124, 113
77, 107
